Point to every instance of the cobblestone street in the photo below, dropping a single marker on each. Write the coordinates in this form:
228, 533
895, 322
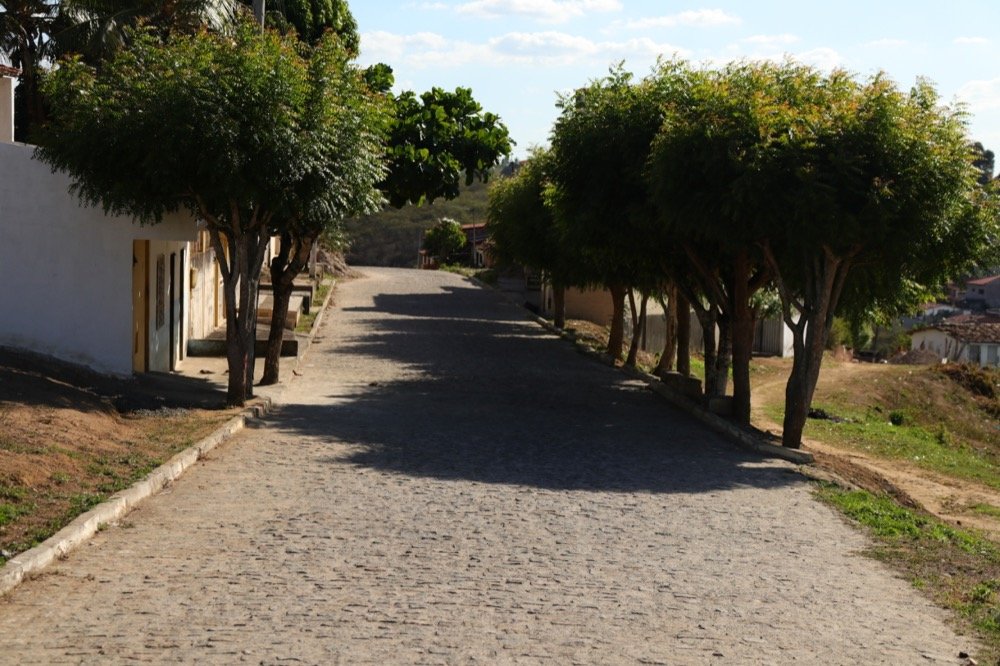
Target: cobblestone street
448, 483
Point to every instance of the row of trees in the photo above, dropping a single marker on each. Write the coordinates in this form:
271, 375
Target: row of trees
719, 187
259, 134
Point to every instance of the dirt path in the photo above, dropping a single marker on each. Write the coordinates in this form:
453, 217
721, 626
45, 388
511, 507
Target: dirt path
946, 498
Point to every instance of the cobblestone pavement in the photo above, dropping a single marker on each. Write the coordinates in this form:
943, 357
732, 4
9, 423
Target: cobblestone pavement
447, 483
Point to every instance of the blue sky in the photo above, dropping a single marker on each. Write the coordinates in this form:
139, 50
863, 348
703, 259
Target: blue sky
517, 55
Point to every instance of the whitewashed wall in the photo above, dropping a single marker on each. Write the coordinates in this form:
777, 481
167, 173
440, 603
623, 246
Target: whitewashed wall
66, 270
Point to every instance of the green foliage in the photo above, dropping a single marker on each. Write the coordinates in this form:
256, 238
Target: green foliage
437, 138
444, 239
599, 147
311, 19
242, 131
392, 236
522, 226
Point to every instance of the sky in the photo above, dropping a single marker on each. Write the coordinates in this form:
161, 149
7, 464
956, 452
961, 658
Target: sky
517, 56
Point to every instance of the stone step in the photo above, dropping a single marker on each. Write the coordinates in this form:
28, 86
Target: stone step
265, 307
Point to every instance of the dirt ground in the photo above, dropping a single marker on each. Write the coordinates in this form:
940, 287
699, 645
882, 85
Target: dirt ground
69, 438
945, 497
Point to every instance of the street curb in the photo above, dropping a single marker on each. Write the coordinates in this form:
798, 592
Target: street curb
740, 437
315, 326
29, 563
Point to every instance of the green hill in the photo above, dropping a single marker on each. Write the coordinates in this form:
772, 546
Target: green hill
392, 237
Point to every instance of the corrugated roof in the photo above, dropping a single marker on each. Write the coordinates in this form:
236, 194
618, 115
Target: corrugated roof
972, 328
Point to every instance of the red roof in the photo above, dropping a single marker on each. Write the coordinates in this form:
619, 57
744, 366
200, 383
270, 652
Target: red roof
9, 71
982, 282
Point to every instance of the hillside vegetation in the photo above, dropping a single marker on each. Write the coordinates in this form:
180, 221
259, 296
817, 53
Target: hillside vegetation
392, 237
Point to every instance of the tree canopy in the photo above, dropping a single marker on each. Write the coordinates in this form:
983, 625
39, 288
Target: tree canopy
241, 131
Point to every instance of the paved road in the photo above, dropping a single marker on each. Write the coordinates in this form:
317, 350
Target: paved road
449, 484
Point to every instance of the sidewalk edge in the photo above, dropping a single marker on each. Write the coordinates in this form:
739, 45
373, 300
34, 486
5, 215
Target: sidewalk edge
29, 563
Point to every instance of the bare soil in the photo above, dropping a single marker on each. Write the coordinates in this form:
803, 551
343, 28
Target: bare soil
946, 497
69, 438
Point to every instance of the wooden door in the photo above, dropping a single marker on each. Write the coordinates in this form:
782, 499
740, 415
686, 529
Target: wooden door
140, 306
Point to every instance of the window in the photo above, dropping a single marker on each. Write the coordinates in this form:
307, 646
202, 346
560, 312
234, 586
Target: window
973, 353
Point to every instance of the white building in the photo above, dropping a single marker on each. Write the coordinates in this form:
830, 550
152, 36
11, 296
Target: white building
964, 339
91, 288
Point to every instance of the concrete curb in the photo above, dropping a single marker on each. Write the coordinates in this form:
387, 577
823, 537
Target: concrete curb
29, 563
740, 437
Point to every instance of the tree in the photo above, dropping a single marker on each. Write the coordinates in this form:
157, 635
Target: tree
25, 36
523, 229
312, 18
437, 139
599, 147
713, 182
879, 189
218, 126
444, 239
348, 123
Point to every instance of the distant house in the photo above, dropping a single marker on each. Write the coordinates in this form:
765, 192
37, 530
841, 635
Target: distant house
983, 293
475, 240
962, 339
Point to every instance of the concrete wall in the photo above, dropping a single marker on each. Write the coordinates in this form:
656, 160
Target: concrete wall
66, 270
940, 343
7, 84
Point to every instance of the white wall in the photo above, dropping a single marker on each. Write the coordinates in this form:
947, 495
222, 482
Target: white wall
65, 270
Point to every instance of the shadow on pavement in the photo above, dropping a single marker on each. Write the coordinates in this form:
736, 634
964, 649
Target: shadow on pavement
488, 396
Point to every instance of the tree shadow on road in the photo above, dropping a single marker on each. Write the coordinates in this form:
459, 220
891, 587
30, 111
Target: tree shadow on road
487, 396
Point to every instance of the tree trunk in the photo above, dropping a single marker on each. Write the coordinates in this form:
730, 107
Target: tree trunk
669, 305
708, 317
683, 335
809, 335
240, 281
638, 328
559, 305
742, 337
616, 336
293, 255
723, 357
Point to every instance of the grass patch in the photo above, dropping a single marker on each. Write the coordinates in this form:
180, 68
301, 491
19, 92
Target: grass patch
959, 569
319, 298
986, 510
486, 275
900, 435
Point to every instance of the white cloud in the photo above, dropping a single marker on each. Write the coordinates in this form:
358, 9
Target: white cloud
546, 11
887, 43
770, 40
977, 41
823, 58
981, 95
549, 48
700, 18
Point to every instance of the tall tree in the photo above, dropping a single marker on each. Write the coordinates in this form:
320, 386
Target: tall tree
523, 229
217, 126
25, 36
348, 122
438, 139
599, 147
878, 184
